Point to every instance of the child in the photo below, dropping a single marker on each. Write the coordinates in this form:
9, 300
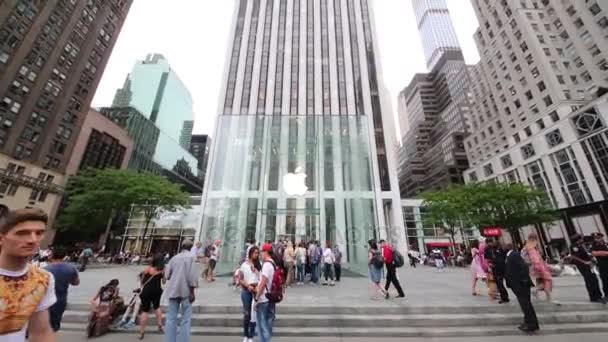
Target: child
132, 309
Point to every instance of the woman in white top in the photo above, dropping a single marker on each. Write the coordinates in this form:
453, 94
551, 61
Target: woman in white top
301, 263
249, 279
328, 263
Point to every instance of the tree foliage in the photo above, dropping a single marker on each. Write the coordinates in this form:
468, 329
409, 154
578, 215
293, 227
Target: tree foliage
95, 196
508, 205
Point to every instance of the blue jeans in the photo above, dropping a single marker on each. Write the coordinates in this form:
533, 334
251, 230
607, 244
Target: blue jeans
266, 313
56, 313
183, 306
314, 273
248, 326
300, 273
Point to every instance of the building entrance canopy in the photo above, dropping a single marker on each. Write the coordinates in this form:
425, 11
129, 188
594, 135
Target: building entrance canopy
306, 177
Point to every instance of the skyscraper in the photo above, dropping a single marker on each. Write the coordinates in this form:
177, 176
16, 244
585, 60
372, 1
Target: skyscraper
52, 56
304, 148
540, 105
154, 89
437, 106
186, 134
436, 30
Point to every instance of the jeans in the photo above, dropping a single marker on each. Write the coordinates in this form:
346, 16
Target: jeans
338, 270
328, 272
248, 326
300, 272
184, 306
266, 313
314, 273
56, 313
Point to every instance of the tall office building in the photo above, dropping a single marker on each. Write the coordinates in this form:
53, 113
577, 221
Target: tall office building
436, 29
156, 91
186, 134
52, 56
304, 147
542, 115
200, 146
437, 106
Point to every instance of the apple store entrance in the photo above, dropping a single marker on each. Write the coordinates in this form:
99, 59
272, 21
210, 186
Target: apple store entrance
302, 178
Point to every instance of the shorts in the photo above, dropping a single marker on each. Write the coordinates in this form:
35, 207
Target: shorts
150, 302
212, 263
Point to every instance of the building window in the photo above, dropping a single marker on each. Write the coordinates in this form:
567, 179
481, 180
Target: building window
541, 124
506, 161
547, 100
541, 86
488, 170
473, 176
587, 122
516, 138
554, 138
527, 151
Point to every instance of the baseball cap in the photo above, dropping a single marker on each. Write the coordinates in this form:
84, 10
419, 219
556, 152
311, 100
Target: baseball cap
267, 247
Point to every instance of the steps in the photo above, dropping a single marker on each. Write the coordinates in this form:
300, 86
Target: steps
386, 321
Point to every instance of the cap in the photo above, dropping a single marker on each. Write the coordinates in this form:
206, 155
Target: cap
598, 234
267, 247
187, 243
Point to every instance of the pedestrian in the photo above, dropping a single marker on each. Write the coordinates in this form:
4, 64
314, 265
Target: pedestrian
105, 304
265, 308
600, 252
411, 254
538, 267
476, 269
289, 258
328, 263
300, 263
313, 255
65, 274
518, 279
391, 270
214, 256
249, 278
337, 262
376, 265
197, 250
85, 255
439, 258
582, 258
151, 292
496, 257
26, 292
181, 275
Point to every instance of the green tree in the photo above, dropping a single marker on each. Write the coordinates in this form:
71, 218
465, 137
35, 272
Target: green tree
95, 197
448, 208
508, 205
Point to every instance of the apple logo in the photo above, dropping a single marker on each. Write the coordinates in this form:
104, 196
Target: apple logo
294, 184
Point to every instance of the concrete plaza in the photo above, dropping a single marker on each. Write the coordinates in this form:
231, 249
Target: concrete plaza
598, 337
423, 286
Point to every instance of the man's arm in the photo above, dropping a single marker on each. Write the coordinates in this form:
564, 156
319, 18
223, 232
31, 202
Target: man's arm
75, 279
599, 253
39, 328
261, 288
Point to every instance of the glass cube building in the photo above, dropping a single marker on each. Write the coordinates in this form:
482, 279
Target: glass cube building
302, 95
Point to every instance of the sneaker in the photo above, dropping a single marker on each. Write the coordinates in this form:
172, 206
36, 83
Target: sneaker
324, 283
246, 339
332, 283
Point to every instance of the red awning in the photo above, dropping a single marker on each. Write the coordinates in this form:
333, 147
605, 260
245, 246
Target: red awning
440, 244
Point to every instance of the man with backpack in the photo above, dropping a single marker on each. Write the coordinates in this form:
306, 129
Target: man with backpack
270, 292
391, 268
315, 258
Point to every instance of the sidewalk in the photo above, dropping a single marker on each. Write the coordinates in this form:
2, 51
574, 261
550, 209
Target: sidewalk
423, 286
78, 337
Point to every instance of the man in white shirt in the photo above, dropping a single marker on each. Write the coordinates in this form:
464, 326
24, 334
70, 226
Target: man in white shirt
196, 251
265, 309
27, 292
213, 258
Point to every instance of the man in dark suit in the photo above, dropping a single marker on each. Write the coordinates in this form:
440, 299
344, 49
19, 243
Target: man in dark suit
518, 279
497, 257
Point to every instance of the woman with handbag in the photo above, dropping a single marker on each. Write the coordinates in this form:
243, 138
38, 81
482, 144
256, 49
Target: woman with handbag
105, 304
151, 292
539, 271
376, 268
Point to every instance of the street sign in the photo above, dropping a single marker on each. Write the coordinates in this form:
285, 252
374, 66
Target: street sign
492, 231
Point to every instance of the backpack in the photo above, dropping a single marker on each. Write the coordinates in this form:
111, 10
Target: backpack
208, 250
277, 291
315, 257
398, 259
378, 259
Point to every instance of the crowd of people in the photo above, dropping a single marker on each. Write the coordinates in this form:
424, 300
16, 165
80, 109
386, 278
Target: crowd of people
34, 298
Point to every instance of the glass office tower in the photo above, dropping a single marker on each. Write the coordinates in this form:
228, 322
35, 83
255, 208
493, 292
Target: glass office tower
304, 143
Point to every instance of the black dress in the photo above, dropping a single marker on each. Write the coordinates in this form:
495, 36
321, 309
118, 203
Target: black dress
152, 292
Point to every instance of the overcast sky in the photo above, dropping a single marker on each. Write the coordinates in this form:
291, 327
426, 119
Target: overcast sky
193, 34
